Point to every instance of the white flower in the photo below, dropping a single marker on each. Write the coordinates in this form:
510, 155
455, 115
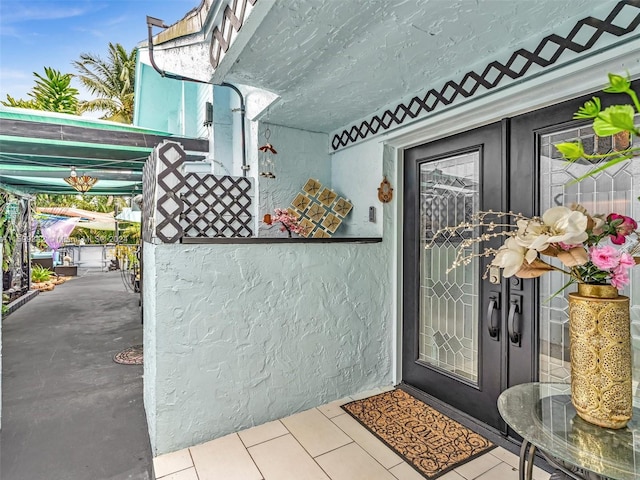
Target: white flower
511, 256
559, 224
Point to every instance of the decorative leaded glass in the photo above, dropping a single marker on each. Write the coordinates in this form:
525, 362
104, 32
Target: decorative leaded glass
449, 195
616, 190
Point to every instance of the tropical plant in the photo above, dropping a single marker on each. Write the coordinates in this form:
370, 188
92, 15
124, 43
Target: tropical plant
111, 80
8, 231
19, 103
52, 93
40, 274
612, 120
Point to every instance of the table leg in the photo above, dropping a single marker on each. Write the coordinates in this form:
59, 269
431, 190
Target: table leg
527, 455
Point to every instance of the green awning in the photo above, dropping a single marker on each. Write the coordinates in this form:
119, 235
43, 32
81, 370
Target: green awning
38, 149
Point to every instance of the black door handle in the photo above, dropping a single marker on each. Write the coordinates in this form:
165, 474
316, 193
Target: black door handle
513, 323
494, 327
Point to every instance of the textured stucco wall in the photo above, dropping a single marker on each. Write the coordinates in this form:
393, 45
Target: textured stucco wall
301, 155
247, 334
150, 331
356, 173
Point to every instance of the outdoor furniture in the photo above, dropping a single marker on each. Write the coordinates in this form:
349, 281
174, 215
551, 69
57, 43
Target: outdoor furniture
543, 415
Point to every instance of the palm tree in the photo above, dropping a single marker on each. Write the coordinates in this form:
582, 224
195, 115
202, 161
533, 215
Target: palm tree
52, 93
111, 81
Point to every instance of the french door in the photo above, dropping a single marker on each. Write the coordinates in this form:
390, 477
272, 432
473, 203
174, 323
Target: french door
467, 333
450, 350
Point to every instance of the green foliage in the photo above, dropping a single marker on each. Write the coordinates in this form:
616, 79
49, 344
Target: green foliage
96, 203
610, 121
5, 309
111, 80
40, 274
19, 103
7, 232
52, 92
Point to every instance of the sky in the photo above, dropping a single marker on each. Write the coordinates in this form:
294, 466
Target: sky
35, 34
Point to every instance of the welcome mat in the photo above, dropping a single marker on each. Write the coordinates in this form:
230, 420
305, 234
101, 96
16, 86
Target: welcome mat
428, 440
129, 356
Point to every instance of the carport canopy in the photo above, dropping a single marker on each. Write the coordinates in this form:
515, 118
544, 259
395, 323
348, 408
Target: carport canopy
38, 149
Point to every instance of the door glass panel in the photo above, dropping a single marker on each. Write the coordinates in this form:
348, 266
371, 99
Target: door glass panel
613, 190
449, 195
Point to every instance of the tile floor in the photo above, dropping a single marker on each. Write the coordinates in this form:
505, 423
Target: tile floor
323, 443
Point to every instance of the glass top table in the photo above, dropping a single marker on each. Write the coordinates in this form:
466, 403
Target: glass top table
543, 415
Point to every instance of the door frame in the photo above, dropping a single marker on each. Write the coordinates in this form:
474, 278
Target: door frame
523, 155
549, 88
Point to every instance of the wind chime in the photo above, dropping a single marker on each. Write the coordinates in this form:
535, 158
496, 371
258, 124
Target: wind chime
267, 163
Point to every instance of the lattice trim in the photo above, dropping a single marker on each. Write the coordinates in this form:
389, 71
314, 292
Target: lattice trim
232, 20
493, 74
216, 206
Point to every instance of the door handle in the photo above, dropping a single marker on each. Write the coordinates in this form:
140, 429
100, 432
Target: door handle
513, 323
494, 327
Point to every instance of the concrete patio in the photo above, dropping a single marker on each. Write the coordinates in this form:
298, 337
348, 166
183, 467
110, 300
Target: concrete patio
69, 411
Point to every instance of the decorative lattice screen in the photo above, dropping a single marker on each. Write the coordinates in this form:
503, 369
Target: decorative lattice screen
177, 205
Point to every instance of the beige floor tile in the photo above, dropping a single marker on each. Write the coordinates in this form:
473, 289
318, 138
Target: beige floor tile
387, 388
188, 474
404, 471
284, 459
513, 460
262, 433
477, 466
224, 458
315, 432
333, 409
452, 475
367, 393
502, 471
172, 462
539, 474
506, 456
351, 462
367, 441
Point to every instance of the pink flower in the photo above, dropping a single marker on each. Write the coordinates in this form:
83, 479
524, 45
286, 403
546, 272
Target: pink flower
623, 226
620, 277
605, 258
627, 261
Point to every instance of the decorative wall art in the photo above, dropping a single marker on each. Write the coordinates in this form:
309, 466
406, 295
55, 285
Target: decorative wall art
267, 162
385, 192
319, 210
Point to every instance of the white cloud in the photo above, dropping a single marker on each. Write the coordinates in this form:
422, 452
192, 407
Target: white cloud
27, 14
10, 74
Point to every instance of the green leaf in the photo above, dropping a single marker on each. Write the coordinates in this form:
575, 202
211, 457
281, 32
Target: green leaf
571, 150
590, 109
618, 84
615, 119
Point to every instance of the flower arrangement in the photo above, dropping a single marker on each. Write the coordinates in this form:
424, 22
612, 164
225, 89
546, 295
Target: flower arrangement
595, 249
288, 223
613, 120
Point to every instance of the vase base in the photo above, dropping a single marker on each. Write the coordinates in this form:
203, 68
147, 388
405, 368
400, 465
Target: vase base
614, 423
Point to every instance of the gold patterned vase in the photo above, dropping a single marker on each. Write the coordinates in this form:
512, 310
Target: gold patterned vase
600, 341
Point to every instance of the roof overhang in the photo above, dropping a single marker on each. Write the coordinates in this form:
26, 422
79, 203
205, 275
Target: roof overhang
336, 63
37, 150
